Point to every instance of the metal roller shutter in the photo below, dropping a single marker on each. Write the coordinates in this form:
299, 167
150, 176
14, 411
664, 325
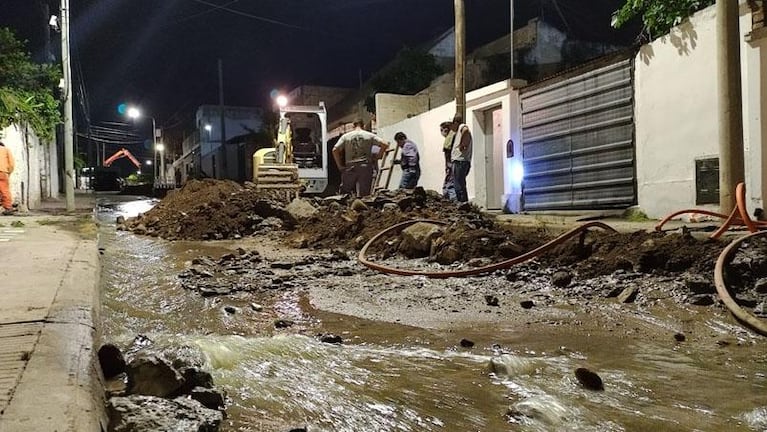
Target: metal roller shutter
578, 141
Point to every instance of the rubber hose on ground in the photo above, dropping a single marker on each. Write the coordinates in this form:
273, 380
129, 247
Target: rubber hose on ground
738, 216
744, 317
362, 257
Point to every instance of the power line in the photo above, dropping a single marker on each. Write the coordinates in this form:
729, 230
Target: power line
109, 141
255, 17
205, 12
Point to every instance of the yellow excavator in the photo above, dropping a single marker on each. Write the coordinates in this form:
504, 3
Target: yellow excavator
299, 159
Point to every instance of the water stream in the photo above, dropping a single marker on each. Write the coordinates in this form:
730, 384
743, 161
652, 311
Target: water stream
388, 377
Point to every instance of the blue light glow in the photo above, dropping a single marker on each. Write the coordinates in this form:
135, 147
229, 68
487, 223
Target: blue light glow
517, 173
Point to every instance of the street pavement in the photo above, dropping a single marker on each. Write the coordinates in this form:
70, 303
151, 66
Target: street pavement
49, 265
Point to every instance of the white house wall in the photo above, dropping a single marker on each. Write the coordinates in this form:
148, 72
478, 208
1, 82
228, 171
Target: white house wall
33, 160
676, 113
754, 66
424, 130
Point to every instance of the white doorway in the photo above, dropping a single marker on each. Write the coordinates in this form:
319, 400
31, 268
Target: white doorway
494, 152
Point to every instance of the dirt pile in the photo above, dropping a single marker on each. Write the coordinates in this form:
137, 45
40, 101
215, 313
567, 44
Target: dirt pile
210, 210
641, 251
472, 236
344, 222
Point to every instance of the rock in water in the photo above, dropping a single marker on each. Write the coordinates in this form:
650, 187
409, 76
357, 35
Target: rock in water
111, 360
491, 300
589, 379
331, 339
561, 278
148, 413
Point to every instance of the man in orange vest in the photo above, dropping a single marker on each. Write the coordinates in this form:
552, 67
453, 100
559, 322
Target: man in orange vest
6, 168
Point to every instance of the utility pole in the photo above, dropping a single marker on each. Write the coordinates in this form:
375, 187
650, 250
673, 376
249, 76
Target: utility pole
223, 123
69, 161
731, 165
511, 40
460, 59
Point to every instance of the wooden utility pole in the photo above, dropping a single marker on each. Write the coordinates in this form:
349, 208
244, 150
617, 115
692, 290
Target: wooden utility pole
221, 118
731, 166
460, 59
511, 40
69, 159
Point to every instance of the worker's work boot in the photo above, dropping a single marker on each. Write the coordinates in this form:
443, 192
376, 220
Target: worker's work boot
9, 211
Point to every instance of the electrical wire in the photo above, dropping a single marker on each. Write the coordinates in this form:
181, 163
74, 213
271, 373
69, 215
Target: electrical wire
255, 17
205, 12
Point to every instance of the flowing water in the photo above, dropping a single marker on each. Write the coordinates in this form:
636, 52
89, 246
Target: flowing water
388, 377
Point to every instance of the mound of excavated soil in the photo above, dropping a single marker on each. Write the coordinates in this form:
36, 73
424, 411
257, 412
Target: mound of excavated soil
220, 209
471, 234
342, 222
641, 251
210, 210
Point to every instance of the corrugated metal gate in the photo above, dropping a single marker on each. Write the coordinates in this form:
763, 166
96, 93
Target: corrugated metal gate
578, 141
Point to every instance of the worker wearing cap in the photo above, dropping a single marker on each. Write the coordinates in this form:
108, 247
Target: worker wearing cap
6, 168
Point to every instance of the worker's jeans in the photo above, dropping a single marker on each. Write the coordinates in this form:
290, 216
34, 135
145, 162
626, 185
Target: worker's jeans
460, 172
357, 179
410, 178
448, 187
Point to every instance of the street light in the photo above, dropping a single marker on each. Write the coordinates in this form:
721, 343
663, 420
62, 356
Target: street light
135, 113
282, 101
148, 163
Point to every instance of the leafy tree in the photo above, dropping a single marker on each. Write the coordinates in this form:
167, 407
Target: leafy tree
27, 89
658, 16
412, 71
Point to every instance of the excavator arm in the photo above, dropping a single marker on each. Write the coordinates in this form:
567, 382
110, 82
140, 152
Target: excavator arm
121, 154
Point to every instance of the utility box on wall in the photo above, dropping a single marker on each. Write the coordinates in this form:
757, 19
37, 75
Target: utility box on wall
707, 181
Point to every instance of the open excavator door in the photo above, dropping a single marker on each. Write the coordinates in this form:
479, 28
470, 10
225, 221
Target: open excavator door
121, 154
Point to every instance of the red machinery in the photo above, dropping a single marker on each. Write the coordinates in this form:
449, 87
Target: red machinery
120, 154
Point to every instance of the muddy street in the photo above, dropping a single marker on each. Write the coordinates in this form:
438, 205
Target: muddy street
297, 333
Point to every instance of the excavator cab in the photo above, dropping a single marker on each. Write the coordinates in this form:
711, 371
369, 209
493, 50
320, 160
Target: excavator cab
301, 142
306, 152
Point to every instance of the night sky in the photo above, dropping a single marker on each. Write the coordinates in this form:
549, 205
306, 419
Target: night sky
162, 54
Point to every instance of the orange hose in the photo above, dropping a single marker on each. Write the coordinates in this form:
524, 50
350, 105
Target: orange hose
740, 198
362, 257
744, 317
726, 226
738, 216
666, 219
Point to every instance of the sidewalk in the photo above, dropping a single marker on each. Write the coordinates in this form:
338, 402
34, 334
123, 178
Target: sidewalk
50, 299
565, 221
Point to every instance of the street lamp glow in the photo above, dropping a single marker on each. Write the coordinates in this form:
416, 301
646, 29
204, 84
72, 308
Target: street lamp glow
148, 162
160, 147
208, 127
133, 113
282, 101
